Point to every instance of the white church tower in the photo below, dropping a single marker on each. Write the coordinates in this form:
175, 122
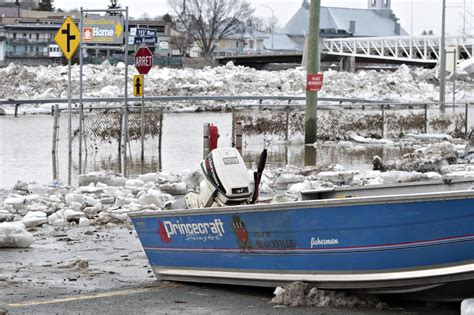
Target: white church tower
379, 4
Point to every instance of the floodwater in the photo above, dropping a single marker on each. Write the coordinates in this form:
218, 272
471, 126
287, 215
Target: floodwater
26, 149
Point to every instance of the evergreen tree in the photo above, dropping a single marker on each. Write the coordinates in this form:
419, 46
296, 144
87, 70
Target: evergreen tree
45, 5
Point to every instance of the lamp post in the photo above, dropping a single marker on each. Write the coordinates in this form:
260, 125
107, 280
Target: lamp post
271, 23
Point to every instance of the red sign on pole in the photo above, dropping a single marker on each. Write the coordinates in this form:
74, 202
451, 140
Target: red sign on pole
314, 82
143, 60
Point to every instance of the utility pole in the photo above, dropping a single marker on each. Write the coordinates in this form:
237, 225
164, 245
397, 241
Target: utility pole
442, 61
310, 124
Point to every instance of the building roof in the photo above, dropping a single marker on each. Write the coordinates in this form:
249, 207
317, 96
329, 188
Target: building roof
368, 22
280, 42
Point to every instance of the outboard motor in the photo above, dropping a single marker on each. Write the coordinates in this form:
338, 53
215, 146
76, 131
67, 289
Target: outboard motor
226, 178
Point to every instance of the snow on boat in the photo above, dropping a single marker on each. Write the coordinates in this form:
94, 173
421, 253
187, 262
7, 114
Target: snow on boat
388, 238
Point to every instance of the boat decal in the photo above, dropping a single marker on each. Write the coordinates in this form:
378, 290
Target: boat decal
196, 231
395, 246
243, 239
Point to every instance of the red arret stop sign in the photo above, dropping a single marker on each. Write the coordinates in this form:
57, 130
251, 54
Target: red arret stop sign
314, 82
143, 60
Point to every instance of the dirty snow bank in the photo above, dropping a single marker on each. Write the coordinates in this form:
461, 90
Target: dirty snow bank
299, 294
105, 80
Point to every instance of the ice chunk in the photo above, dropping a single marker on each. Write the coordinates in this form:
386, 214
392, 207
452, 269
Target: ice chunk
14, 234
467, 306
34, 218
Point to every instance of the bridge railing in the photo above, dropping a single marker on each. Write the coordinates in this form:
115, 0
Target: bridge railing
409, 48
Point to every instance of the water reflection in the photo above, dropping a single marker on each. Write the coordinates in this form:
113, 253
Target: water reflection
26, 141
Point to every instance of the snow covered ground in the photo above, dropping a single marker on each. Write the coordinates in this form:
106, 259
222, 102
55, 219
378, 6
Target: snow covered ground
407, 84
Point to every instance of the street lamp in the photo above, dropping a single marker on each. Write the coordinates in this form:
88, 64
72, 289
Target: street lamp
271, 23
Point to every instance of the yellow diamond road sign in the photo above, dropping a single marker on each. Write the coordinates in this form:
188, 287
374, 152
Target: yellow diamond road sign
68, 38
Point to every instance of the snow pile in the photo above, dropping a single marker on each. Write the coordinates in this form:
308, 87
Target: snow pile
427, 159
105, 80
465, 69
14, 234
299, 294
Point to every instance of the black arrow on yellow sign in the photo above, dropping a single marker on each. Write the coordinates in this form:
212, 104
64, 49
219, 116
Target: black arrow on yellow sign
138, 85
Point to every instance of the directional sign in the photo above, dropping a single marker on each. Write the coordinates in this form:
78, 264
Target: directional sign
314, 82
138, 85
149, 40
103, 29
142, 32
143, 60
68, 38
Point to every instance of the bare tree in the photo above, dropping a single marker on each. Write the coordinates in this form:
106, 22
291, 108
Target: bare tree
208, 21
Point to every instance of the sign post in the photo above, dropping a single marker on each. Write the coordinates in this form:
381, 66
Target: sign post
143, 63
68, 38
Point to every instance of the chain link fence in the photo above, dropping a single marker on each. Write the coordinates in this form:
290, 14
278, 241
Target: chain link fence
340, 122
98, 144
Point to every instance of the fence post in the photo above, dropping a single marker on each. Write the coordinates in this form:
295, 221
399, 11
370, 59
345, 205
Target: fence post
466, 119
287, 122
55, 143
16, 110
81, 121
119, 141
52, 110
383, 121
238, 136
159, 141
426, 118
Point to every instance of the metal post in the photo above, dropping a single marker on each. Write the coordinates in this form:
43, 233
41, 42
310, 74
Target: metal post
69, 122
238, 136
81, 26
454, 79
312, 67
159, 141
205, 140
142, 132
466, 113
426, 118
81, 121
16, 110
287, 122
383, 121
442, 64
125, 114
55, 137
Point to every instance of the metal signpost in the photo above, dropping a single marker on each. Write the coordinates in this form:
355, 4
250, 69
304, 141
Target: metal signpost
68, 38
143, 63
106, 32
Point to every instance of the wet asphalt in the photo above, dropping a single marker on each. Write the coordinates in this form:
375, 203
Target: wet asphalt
102, 270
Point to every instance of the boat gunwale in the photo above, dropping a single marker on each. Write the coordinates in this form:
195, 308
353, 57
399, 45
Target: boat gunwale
318, 203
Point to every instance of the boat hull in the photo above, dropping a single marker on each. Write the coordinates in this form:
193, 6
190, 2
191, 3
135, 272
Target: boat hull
390, 243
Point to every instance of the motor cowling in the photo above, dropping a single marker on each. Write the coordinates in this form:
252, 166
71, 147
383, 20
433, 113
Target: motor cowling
226, 178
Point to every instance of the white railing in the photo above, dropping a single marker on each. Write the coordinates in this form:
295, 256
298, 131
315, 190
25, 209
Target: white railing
404, 48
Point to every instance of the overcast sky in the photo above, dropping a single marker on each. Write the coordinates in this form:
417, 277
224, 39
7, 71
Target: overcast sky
426, 14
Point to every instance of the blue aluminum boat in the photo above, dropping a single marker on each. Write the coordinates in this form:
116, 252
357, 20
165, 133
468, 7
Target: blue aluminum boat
388, 239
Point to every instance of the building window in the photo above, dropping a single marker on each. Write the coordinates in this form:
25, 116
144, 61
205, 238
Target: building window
251, 44
37, 36
14, 35
29, 35
24, 35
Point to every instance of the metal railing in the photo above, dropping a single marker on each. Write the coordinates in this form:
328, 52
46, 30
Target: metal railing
403, 48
